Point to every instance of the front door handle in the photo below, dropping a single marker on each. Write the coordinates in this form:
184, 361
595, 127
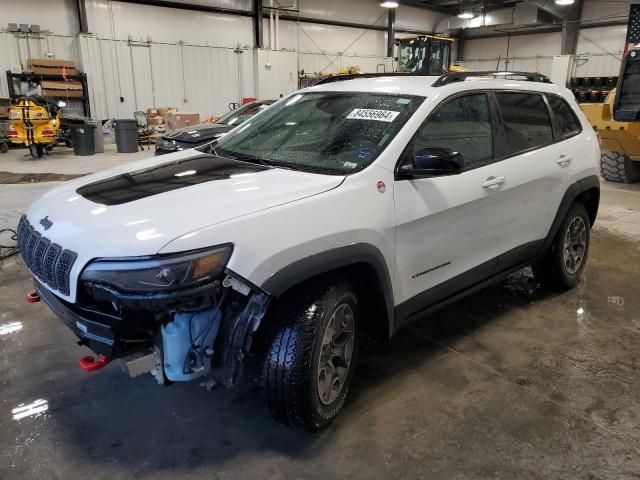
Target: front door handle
493, 182
564, 160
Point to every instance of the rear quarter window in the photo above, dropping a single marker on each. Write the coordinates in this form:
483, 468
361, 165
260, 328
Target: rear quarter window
565, 120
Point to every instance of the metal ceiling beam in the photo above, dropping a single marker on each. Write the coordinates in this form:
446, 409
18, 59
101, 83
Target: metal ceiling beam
533, 31
426, 5
189, 6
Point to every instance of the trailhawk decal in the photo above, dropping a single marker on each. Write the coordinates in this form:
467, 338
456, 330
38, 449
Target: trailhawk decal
371, 114
429, 270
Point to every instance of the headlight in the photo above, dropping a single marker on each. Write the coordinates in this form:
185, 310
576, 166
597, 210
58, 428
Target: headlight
160, 273
166, 144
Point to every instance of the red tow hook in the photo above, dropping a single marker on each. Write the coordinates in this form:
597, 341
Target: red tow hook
32, 298
90, 364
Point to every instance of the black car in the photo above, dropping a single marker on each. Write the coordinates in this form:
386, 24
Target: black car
191, 137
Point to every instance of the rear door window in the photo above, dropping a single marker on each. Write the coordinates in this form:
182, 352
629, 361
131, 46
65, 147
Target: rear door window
564, 119
526, 121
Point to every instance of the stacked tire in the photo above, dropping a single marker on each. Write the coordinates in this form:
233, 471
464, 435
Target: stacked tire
618, 167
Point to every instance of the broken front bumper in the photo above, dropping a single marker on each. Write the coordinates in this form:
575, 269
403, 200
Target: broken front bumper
208, 332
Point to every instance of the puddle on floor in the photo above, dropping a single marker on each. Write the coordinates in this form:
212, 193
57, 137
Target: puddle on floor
11, 177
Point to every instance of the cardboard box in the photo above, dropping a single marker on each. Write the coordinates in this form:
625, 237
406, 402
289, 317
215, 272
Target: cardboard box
62, 93
52, 88
55, 85
152, 112
4, 107
181, 120
155, 120
48, 66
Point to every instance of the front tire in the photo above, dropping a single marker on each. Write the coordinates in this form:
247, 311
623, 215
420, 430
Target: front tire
618, 167
562, 266
36, 150
310, 363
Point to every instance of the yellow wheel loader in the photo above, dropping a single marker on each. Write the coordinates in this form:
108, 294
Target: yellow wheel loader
617, 121
34, 123
620, 161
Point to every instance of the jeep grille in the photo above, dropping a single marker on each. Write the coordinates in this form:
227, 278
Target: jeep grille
47, 261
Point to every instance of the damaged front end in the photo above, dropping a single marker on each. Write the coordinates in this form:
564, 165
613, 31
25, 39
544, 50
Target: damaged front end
192, 318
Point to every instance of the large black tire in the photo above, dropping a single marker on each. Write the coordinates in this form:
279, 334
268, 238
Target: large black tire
560, 270
618, 167
295, 373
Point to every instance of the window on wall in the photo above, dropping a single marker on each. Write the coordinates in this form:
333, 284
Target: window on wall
462, 125
526, 121
564, 119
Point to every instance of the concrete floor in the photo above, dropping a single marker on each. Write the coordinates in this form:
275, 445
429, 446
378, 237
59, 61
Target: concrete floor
516, 382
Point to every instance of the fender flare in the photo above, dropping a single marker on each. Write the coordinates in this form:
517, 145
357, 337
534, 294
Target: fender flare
573, 192
333, 259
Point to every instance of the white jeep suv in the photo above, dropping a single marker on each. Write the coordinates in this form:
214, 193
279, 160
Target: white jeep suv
358, 205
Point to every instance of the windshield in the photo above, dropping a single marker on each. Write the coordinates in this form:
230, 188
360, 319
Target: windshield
323, 132
239, 115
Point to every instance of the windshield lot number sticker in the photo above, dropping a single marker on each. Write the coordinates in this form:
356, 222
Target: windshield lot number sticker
371, 114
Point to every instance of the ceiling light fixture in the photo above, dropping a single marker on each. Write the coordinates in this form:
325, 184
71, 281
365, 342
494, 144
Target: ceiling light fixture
564, 2
466, 15
389, 4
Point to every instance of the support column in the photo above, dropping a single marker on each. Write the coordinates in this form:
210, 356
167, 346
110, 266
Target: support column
460, 46
571, 30
81, 11
258, 30
391, 31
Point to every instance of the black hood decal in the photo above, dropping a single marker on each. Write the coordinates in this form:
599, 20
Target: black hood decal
132, 186
198, 133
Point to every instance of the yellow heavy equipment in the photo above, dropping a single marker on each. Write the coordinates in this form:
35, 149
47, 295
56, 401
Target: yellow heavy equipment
35, 124
620, 160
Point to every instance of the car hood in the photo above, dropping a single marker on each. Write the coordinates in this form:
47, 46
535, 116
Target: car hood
198, 133
138, 208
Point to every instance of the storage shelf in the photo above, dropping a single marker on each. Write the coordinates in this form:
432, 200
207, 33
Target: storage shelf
37, 77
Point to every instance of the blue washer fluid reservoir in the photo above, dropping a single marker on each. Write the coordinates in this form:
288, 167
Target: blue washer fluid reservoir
189, 333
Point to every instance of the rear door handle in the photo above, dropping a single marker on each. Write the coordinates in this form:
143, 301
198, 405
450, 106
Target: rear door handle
564, 160
493, 182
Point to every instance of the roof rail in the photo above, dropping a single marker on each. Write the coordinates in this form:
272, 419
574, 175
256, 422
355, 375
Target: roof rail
351, 76
453, 77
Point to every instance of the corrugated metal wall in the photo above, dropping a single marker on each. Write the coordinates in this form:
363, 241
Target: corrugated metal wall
129, 76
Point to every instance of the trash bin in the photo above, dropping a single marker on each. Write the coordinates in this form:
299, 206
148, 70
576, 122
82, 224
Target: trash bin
126, 135
98, 139
82, 137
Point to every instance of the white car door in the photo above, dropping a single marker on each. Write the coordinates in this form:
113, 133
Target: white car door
536, 164
450, 228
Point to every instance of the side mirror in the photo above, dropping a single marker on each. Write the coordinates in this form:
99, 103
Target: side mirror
433, 162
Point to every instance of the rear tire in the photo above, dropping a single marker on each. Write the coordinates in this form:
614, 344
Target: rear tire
562, 266
310, 363
618, 167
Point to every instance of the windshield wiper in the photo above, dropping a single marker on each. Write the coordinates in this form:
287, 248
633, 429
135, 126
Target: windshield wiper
263, 161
